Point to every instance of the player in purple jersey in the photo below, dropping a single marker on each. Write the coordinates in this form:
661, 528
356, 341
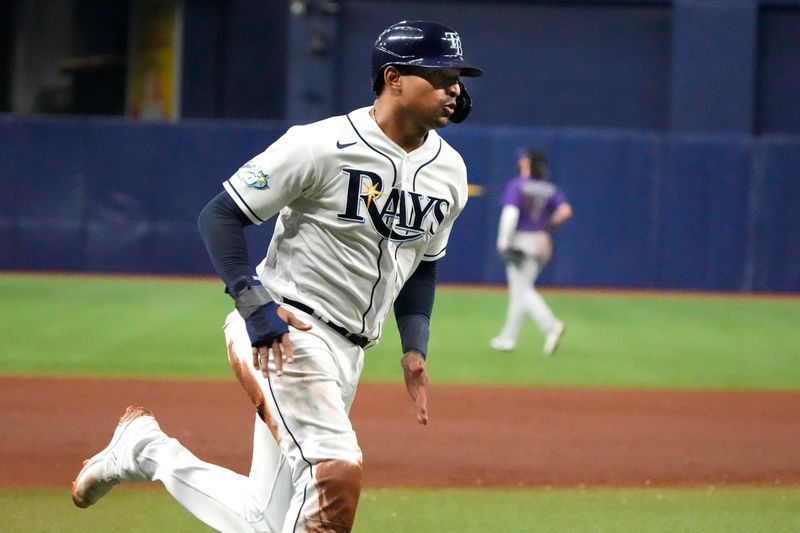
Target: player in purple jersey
533, 208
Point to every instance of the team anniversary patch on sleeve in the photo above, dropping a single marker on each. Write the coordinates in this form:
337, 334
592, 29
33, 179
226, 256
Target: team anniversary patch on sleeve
252, 176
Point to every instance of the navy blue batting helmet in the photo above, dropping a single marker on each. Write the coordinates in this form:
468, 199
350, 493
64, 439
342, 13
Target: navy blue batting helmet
422, 43
419, 43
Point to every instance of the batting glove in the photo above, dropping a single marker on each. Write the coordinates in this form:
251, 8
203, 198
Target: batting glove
260, 313
264, 325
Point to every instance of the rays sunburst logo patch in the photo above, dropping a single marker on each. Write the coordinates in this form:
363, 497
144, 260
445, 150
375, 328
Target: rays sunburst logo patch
252, 176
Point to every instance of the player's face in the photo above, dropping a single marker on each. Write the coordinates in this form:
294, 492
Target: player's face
524, 164
430, 94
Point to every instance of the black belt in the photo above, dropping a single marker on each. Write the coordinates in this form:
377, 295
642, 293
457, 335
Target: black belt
358, 340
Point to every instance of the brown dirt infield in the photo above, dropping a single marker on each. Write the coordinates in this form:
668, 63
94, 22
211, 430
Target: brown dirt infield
477, 436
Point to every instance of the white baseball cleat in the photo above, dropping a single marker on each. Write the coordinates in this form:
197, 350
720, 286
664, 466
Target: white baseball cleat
554, 338
117, 462
502, 344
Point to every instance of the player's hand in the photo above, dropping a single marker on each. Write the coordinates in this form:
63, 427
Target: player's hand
416, 378
280, 345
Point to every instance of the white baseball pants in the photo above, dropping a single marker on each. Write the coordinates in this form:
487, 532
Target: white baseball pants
523, 299
306, 466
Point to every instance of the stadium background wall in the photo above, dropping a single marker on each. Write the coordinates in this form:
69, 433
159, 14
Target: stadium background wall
673, 126
688, 211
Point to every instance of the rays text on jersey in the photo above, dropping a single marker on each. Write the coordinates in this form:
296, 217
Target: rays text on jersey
395, 214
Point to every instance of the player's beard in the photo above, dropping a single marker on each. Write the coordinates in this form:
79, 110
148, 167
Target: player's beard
440, 118
426, 120
448, 107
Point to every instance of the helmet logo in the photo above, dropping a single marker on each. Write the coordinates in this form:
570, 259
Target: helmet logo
455, 41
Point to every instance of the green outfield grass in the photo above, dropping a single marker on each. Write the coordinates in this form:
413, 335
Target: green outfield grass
652, 510
167, 328
157, 327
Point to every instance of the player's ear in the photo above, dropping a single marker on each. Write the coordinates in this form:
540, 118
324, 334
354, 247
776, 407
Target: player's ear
391, 77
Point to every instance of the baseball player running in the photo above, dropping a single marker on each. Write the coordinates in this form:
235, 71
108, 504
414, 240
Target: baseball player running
533, 208
365, 203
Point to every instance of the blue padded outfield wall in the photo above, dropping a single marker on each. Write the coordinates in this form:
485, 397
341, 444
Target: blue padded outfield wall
652, 210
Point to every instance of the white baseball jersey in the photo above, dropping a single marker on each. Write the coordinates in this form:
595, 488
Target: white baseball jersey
357, 214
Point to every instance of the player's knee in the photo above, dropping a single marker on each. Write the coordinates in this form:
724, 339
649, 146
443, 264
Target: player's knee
339, 488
